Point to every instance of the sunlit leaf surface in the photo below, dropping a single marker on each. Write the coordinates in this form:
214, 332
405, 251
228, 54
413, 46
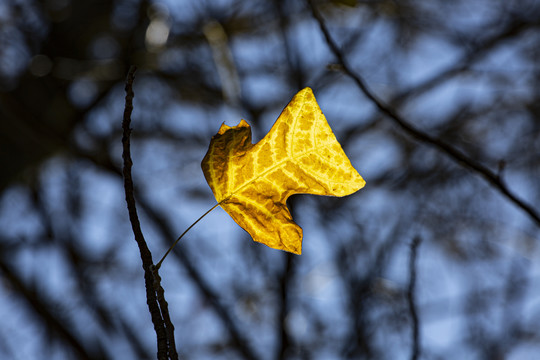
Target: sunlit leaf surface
300, 155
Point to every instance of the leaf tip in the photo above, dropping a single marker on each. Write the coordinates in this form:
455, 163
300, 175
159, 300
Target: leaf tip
305, 92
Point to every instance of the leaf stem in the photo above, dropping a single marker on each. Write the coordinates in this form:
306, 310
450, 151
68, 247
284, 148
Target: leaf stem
158, 265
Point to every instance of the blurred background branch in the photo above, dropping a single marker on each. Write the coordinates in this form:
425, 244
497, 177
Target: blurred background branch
416, 350
493, 178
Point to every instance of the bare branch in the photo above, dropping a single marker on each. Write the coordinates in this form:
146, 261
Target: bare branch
284, 307
461, 158
146, 255
415, 354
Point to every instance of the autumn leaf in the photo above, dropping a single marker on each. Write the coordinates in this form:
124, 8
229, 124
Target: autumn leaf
300, 155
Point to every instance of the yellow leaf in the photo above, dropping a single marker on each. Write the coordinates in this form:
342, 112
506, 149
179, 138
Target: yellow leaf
300, 155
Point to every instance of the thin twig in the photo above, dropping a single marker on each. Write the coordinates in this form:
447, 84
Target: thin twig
146, 255
158, 265
240, 341
490, 176
415, 354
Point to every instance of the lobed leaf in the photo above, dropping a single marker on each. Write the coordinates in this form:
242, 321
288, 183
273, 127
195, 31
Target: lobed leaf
300, 155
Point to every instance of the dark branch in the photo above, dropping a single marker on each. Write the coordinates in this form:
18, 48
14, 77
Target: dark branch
415, 354
489, 175
146, 255
284, 342
164, 306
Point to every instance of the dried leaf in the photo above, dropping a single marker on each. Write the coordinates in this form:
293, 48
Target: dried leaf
300, 155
